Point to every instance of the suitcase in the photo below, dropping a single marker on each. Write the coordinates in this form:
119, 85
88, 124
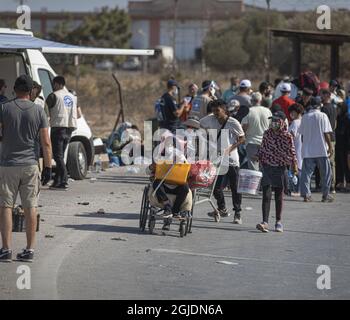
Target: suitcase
19, 220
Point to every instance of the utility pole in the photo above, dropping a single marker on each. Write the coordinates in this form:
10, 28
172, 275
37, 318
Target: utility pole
176, 2
268, 34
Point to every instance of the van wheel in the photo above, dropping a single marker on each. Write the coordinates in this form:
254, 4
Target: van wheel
77, 162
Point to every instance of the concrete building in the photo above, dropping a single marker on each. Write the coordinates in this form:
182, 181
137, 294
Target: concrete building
153, 22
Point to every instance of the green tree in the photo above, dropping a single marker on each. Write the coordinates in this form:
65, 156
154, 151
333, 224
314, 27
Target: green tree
241, 44
223, 51
62, 30
108, 28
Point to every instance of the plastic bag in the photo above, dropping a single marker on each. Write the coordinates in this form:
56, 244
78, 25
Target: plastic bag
202, 174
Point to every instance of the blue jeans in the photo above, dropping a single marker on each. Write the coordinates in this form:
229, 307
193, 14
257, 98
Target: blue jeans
309, 165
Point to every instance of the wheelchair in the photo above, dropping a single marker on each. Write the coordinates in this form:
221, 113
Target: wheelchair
151, 209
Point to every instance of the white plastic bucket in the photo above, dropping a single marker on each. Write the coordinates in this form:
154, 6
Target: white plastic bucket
249, 181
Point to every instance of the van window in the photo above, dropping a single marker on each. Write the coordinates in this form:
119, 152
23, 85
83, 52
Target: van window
45, 81
11, 66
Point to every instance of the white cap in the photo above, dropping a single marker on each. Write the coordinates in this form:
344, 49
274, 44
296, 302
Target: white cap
245, 84
286, 87
232, 105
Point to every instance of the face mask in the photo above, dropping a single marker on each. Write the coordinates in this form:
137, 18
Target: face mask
176, 92
275, 125
212, 91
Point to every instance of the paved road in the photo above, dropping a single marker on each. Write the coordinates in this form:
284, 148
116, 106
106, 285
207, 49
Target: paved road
84, 255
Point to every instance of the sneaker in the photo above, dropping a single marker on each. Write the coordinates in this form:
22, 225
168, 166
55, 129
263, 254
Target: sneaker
263, 227
222, 212
333, 191
278, 227
167, 212
177, 215
26, 255
328, 199
61, 186
5, 255
237, 219
307, 199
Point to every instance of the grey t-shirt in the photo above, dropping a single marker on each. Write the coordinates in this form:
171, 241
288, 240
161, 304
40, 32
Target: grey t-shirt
21, 122
244, 100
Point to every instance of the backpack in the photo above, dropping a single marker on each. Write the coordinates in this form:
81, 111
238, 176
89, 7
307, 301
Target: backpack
309, 80
158, 108
197, 109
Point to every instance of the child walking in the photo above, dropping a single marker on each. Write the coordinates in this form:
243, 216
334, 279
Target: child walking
276, 154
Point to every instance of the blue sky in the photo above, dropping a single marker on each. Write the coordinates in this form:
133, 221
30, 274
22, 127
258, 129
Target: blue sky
90, 5
59, 5
300, 5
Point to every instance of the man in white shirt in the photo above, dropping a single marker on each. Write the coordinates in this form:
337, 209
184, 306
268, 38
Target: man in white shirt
230, 136
316, 130
63, 120
254, 126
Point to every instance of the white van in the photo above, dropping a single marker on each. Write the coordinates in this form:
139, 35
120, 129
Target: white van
21, 53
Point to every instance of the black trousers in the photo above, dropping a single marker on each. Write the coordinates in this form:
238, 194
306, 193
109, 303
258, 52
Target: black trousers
266, 203
231, 178
180, 192
60, 138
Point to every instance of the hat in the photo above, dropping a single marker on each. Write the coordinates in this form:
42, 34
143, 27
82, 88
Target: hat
334, 83
24, 83
206, 84
232, 105
192, 122
307, 92
286, 87
172, 83
279, 115
245, 84
324, 85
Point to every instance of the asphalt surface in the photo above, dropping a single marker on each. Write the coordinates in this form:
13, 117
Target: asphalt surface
85, 255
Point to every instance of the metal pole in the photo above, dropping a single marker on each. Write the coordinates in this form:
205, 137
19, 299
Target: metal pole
121, 111
77, 72
174, 33
268, 51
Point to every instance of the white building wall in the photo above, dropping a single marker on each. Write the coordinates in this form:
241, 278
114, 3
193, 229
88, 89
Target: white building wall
189, 36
